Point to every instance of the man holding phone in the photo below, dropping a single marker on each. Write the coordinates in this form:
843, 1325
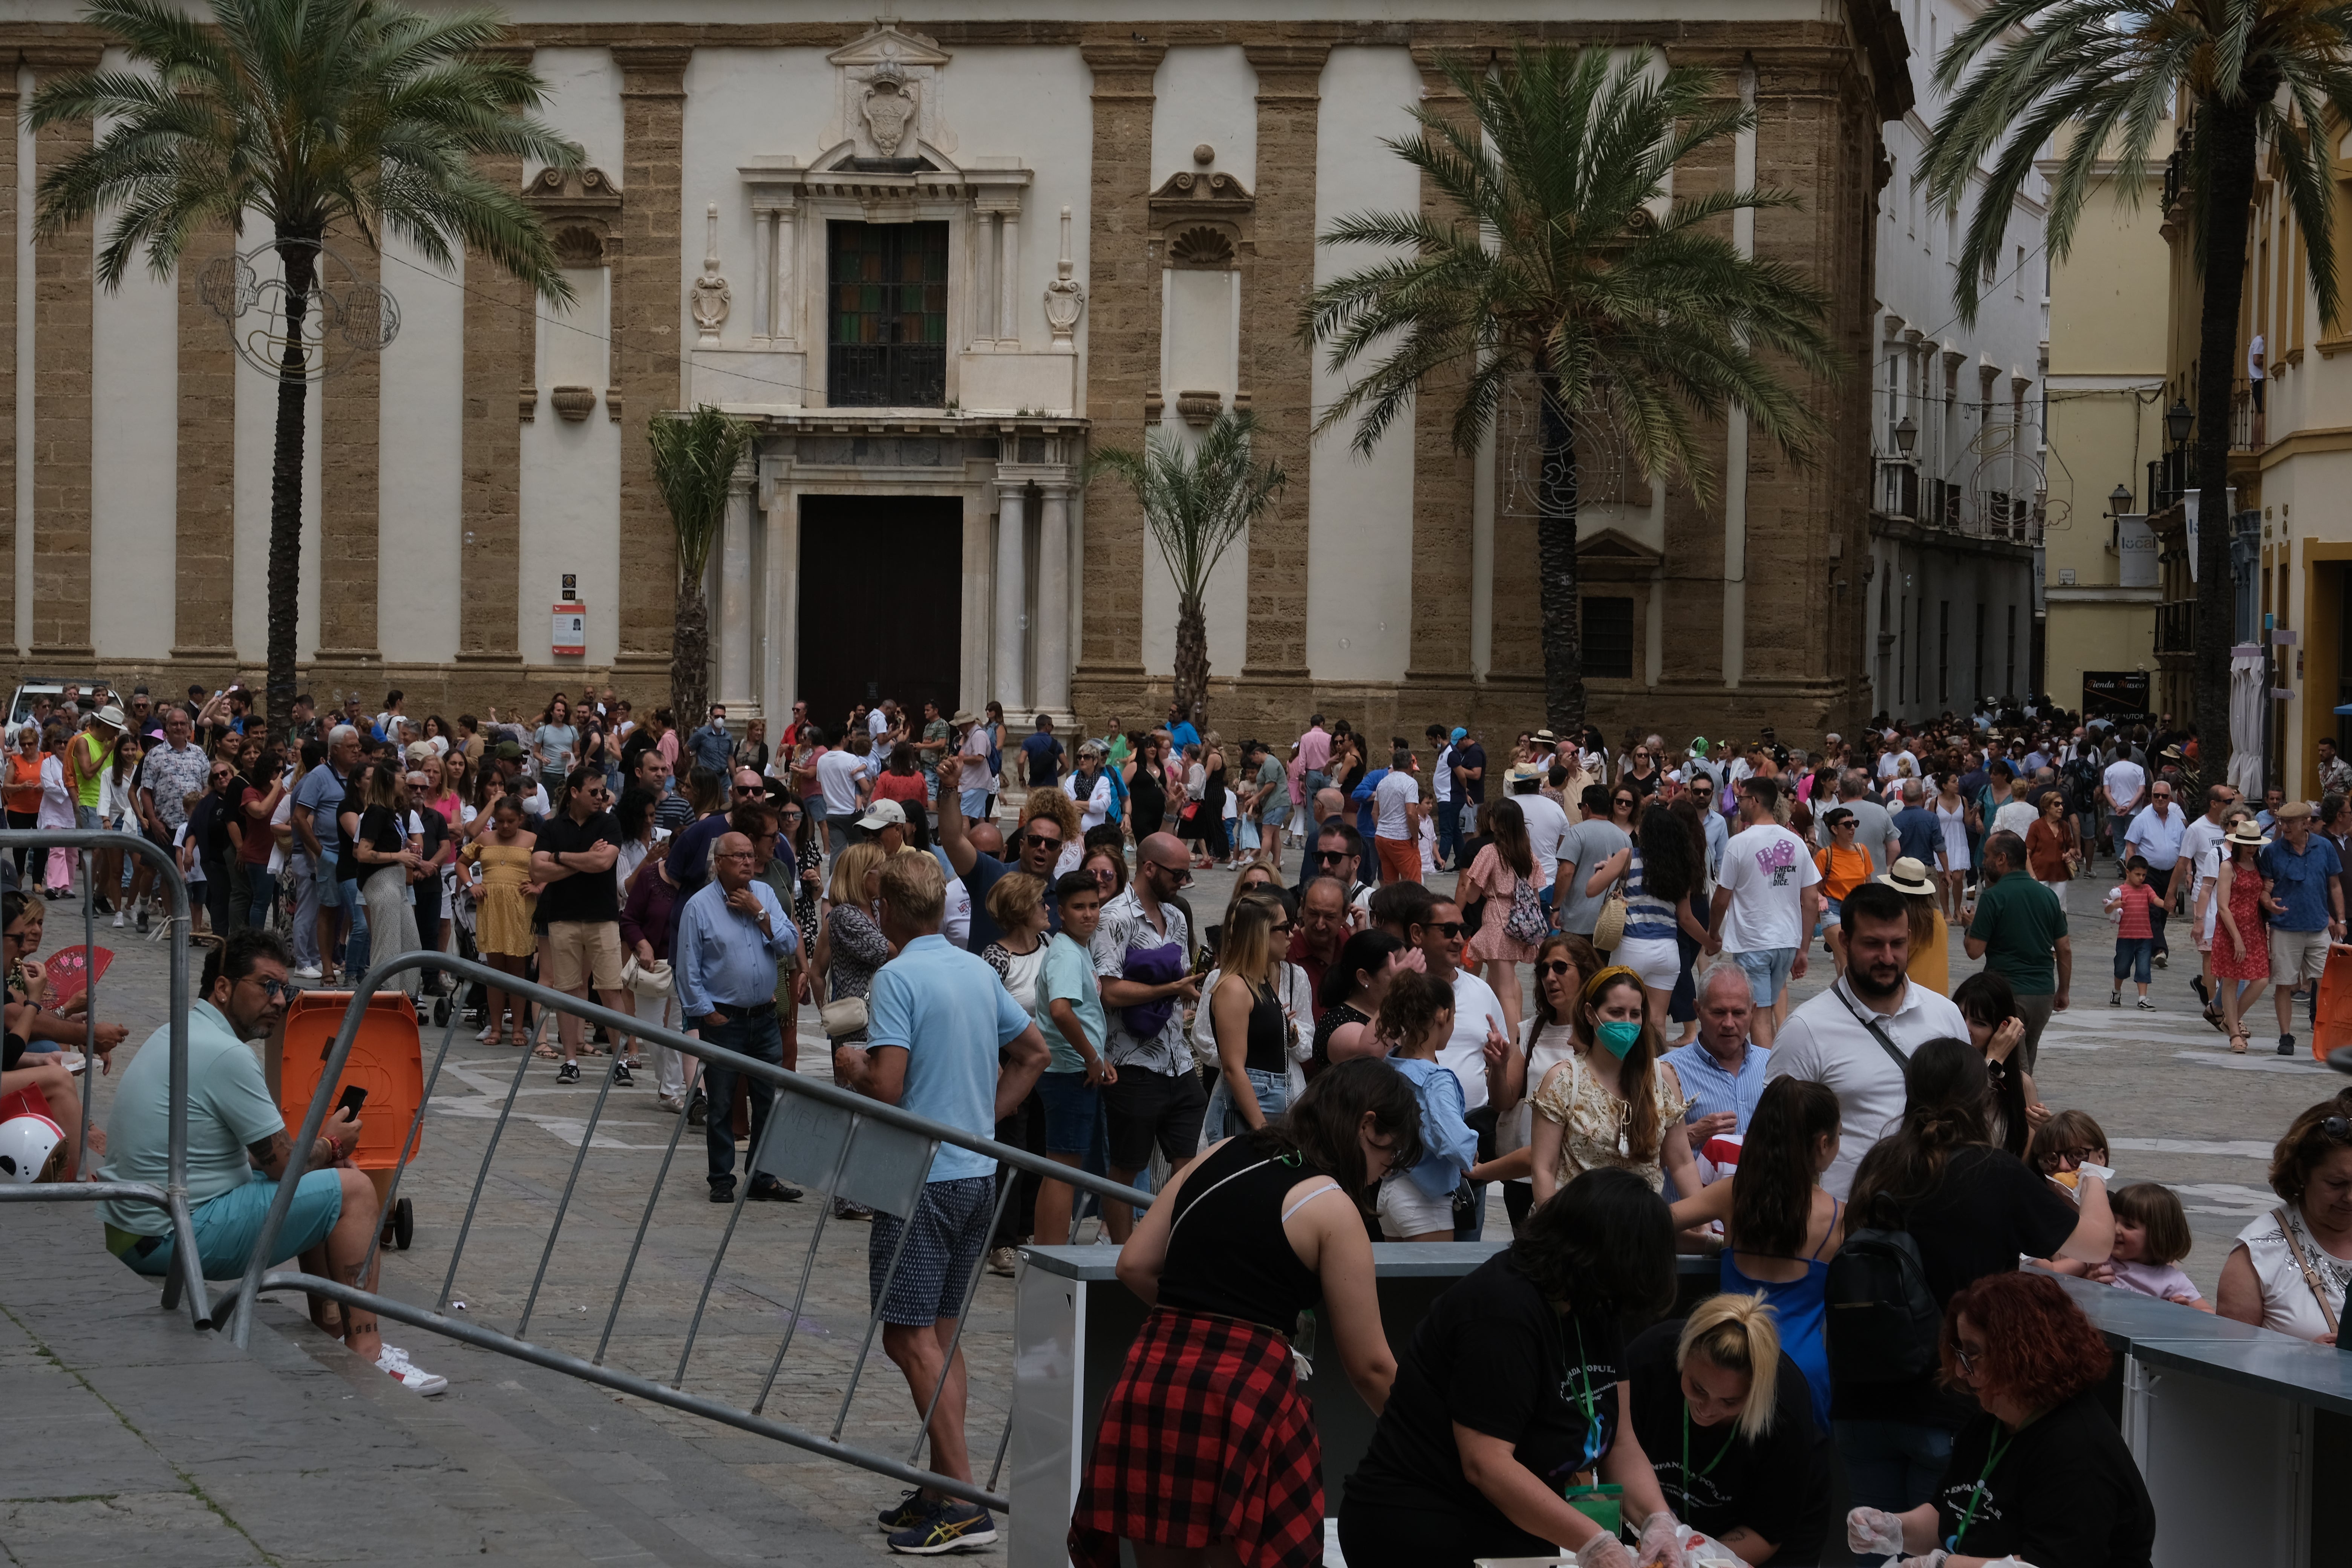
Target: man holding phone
238, 1151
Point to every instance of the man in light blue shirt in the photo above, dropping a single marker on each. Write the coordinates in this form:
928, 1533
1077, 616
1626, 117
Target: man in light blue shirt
730, 937
1722, 1073
710, 746
938, 1023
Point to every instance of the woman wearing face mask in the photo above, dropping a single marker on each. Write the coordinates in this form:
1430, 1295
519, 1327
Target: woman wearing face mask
1611, 1102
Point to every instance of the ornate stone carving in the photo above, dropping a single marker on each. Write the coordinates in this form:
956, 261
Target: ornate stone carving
1194, 408
1201, 219
584, 212
887, 96
1065, 297
574, 404
1202, 246
710, 297
1153, 405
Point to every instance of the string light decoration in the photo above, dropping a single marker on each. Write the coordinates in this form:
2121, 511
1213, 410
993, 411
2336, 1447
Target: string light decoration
344, 315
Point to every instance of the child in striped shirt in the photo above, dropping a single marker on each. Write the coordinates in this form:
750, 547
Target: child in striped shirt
2130, 904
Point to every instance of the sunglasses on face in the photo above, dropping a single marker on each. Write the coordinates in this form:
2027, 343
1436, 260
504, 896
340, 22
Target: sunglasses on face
1042, 842
1447, 928
274, 989
1556, 967
1333, 856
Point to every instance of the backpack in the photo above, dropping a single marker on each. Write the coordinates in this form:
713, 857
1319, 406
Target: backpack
1525, 922
2082, 776
1882, 1320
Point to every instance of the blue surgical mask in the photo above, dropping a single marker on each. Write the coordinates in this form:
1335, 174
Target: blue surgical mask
1618, 1036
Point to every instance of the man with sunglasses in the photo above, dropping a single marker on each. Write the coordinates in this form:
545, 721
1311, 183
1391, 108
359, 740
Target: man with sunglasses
973, 851
238, 1149
581, 904
1339, 854
1479, 1052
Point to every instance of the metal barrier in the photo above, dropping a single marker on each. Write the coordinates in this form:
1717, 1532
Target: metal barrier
822, 1136
187, 1271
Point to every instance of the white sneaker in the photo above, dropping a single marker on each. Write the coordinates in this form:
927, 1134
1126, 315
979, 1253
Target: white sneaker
393, 1362
308, 971
118, 919
489, 1032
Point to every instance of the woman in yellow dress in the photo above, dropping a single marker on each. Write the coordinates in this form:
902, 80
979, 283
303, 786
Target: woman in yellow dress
496, 868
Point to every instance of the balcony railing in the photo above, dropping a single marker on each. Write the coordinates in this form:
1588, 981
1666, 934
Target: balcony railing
2175, 627
887, 376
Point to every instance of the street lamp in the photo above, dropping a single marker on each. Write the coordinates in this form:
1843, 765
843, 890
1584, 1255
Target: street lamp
2177, 419
1907, 435
2119, 501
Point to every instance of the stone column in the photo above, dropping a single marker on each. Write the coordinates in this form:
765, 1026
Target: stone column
62, 287
348, 481
1011, 643
1008, 276
735, 600
1122, 364
1275, 369
10, 524
779, 596
1054, 605
1444, 481
648, 303
203, 629
498, 334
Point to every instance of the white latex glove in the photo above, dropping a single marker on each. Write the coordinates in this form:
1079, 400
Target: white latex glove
1604, 1551
1661, 1543
1873, 1530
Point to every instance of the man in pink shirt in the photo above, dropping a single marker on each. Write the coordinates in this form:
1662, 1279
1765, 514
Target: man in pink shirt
1314, 756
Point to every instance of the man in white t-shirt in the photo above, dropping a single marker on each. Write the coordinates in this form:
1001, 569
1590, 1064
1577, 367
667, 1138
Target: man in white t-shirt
1396, 820
1478, 1051
1827, 1040
841, 776
1546, 825
2122, 790
1764, 905
1442, 795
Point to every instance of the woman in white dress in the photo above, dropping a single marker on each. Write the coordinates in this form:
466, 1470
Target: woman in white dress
1952, 862
2289, 1269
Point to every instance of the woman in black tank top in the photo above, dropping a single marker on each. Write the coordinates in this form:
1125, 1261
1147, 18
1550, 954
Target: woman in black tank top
1207, 1437
1246, 1014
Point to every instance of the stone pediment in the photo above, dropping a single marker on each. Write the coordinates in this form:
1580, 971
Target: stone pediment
1202, 219
888, 98
1606, 552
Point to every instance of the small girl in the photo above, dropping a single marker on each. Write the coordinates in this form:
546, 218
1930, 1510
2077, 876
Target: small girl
2131, 903
2151, 1239
1415, 1017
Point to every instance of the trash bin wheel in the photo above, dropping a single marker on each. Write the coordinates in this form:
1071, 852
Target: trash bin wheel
441, 1012
404, 1224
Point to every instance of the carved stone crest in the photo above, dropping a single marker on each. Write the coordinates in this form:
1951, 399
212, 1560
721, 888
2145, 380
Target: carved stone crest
709, 297
889, 104
887, 97
1065, 297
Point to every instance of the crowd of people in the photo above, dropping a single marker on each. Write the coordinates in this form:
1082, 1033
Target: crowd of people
994, 930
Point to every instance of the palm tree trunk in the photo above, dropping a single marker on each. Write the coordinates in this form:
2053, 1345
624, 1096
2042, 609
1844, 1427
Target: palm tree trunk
299, 261
2229, 128
690, 657
1556, 565
1193, 661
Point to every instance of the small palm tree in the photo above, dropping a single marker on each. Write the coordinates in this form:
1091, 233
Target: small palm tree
694, 459
1197, 500
1564, 260
2256, 71
313, 114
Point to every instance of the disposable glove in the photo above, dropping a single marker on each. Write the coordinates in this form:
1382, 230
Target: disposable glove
1604, 1551
1873, 1530
1927, 1560
1661, 1543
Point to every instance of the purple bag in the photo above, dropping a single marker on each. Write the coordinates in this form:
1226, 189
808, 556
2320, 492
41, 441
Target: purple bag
1151, 967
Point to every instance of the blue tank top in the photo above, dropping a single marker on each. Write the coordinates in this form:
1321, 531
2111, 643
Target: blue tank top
1648, 918
1801, 1307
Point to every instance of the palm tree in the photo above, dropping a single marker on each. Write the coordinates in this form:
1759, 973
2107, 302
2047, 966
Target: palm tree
1197, 500
2255, 71
694, 459
312, 114
1564, 260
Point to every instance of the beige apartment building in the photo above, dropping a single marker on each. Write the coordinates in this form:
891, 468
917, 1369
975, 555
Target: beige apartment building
2106, 353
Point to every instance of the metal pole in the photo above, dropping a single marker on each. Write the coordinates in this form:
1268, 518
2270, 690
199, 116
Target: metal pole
90, 997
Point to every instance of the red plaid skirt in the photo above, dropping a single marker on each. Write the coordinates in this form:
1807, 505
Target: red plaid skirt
1205, 1436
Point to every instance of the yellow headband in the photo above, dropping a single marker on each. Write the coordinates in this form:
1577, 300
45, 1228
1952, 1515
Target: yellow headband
1593, 986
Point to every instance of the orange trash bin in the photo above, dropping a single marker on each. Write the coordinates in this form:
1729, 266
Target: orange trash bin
2335, 1025
387, 1059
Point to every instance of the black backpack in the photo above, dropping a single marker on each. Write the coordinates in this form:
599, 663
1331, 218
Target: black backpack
1882, 1320
2082, 776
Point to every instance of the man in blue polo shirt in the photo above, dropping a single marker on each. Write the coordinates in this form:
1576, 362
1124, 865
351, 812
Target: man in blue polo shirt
2305, 903
1721, 1072
938, 1025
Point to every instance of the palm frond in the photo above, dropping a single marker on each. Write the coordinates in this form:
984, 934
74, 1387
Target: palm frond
1197, 499
695, 459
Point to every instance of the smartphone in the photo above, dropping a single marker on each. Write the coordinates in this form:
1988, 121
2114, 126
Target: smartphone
353, 1097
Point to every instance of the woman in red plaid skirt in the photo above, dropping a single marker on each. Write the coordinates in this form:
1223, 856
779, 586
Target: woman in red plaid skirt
1207, 1453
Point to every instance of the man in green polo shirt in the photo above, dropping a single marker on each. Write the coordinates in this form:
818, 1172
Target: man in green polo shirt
2020, 932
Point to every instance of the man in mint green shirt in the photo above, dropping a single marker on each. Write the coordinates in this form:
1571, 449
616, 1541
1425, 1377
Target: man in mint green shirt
239, 1149
1073, 1025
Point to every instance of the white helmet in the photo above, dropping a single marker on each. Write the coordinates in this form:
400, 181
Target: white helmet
26, 1144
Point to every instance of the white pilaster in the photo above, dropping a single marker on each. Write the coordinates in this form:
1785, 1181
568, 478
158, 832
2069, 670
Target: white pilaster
782, 589
735, 687
1008, 280
1012, 599
1054, 579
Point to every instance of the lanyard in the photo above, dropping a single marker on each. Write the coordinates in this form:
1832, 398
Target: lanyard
1687, 1478
1586, 1400
1993, 1452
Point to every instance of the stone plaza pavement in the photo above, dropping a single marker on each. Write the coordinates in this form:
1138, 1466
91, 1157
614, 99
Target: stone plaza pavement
132, 1433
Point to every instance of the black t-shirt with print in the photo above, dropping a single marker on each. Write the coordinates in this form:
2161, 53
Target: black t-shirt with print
2065, 1490
1988, 1211
1471, 754
1777, 1486
1495, 1356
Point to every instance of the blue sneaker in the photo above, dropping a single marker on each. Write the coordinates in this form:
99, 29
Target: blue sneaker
956, 1527
910, 1510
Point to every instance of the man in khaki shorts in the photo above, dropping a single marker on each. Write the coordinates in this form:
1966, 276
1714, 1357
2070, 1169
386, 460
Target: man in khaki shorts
578, 846
2305, 904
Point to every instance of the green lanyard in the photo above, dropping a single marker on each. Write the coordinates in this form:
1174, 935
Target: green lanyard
1993, 1452
1687, 1476
1586, 1400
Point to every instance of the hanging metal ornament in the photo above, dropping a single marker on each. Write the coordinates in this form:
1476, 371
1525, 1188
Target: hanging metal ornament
345, 317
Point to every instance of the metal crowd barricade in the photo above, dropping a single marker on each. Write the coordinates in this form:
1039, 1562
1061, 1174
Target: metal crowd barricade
816, 1134
187, 1272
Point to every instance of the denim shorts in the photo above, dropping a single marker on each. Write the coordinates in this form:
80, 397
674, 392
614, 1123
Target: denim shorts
1273, 1092
227, 1227
1768, 972
1072, 1107
945, 1239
